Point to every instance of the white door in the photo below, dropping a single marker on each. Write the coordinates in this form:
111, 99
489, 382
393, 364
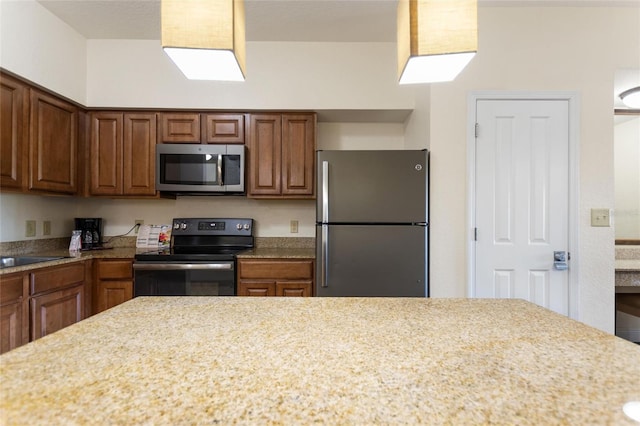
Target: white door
522, 200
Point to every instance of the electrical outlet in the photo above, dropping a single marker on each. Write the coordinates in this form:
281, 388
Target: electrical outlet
294, 226
139, 222
600, 217
46, 227
30, 228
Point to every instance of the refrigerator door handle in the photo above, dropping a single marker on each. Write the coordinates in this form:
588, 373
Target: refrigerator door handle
324, 261
325, 192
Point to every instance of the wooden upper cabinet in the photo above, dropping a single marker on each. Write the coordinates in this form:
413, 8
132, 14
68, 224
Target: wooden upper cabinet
265, 155
209, 128
223, 128
139, 152
282, 156
13, 133
179, 128
106, 153
123, 153
298, 154
53, 144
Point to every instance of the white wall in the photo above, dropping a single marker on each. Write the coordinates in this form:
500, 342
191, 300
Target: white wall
15, 209
279, 76
40, 47
577, 49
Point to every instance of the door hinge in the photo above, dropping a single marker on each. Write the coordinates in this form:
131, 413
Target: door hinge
477, 127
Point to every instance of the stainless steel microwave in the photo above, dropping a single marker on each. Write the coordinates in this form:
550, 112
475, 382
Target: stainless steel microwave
191, 168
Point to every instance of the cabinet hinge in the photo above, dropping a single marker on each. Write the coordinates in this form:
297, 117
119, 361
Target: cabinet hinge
477, 127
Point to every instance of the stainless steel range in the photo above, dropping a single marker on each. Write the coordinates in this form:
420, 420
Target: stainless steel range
201, 260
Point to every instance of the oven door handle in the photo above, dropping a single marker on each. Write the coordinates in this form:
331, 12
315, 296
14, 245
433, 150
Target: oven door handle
182, 266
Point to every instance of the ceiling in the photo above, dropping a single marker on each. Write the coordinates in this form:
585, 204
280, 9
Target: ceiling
267, 20
284, 20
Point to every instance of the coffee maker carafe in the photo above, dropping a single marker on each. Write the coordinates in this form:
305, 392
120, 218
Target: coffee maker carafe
91, 232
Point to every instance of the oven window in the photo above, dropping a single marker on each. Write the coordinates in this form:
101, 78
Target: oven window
231, 169
184, 283
189, 169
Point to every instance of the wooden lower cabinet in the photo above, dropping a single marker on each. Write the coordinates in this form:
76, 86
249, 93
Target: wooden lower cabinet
113, 283
56, 310
14, 311
275, 277
57, 298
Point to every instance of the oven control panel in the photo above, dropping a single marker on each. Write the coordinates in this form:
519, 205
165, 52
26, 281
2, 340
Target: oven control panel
207, 226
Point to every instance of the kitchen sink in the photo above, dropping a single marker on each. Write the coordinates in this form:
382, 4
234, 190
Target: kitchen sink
10, 261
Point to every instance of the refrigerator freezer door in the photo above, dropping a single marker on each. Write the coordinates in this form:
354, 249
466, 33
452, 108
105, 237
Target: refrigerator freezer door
371, 261
372, 186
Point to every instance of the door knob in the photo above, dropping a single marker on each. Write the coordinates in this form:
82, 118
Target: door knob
560, 260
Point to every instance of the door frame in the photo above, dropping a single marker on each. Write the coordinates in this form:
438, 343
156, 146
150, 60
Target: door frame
573, 99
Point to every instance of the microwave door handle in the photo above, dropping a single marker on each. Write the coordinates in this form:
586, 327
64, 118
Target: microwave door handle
220, 182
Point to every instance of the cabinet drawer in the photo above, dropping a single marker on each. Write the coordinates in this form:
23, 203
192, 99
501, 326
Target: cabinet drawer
11, 288
114, 269
256, 288
56, 277
276, 269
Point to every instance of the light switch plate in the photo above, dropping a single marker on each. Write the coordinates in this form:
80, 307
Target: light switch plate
30, 228
600, 217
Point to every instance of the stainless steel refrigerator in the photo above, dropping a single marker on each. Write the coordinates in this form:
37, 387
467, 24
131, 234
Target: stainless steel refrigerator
372, 223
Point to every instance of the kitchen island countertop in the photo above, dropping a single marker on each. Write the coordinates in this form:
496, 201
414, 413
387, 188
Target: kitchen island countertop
277, 253
208, 360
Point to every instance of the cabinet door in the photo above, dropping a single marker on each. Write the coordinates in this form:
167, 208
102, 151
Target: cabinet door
139, 152
256, 288
179, 128
53, 144
223, 128
54, 311
114, 278
112, 293
265, 155
293, 288
14, 312
298, 154
13, 133
106, 153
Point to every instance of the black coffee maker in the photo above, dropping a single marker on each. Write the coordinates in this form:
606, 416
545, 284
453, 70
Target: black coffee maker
91, 232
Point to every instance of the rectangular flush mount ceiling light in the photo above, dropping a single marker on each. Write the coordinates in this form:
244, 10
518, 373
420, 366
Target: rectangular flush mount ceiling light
436, 39
205, 38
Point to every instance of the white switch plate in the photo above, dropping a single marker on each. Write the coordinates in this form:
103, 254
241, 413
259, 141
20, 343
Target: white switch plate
46, 227
294, 226
30, 228
600, 217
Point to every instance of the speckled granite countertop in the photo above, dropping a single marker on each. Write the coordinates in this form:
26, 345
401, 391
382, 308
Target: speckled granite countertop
627, 268
201, 360
67, 257
278, 252
266, 247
